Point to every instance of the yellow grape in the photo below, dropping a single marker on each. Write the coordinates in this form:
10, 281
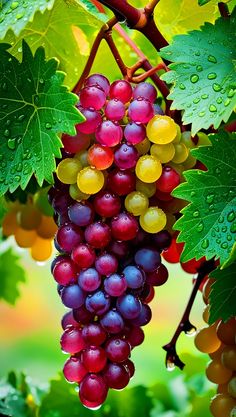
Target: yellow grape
206, 340
217, 373
222, 405
77, 194
205, 314
153, 220
136, 203
67, 170
181, 153
186, 138
178, 135
41, 250
47, 228
226, 331
228, 357
29, 217
161, 129
145, 188
82, 157
9, 224
232, 387
25, 238
148, 169
143, 147
164, 153
90, 180
203, 139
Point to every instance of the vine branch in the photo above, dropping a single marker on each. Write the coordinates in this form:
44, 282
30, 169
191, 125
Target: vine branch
185, 325
223, 9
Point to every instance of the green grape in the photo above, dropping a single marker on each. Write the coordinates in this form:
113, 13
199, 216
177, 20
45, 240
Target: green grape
145, 188
232, 387
42, 203
164, 153
203, 139
148, 168
190, 162
222, 405
181, 153
90, 180
143, 147
186, 138
153, 220
206, 340
82, 157
67, 170
178, 135
161, 130
217, 373
228, 357
77, 194
136, 203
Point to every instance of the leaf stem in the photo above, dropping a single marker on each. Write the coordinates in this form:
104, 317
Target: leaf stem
184, 325
223, 9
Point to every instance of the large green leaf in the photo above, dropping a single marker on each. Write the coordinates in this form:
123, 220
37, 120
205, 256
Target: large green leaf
65, 32
16, 14
203, 74
223, 294
180, 16
208, 224
12, 274
34, 109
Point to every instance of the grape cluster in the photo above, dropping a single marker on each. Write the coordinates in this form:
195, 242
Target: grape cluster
111, 229
32, 225
219, 341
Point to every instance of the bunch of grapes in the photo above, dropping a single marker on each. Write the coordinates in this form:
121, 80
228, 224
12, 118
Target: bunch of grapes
219, 341
32, 225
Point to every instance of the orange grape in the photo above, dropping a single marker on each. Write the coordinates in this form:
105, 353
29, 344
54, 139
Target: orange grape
9, 224
226, 332
206, 290
206, 340
217, 353
222, 405
205, 314
41, 249
228, 357
47, 228
25, 238
217, 373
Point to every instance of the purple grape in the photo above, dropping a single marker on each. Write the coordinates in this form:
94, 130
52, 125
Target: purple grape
134, 133
109, 133
140, 111
74, 370
92, 97
68, 320
93, 120
149, 259
158, 110
116, 376
98, 80
162, 239
98, 235
115, 110
115, 285
126, 156
94, 334
98, 303
129, 306
72, 341
145, 91
73, 296
134, 276
122, 90
68, 237
144, 316
119, 248
82, 315
89, 280
81, 213
106, 264
117, 350
112, 322
135, 336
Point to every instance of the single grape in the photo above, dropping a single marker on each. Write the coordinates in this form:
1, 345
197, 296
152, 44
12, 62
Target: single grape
68, 237
76, 193
217, 373
226, 331
135, 336
119, 248
121, 90
143, 147
93, 120
228, 357
231, 388
149, 259
106, 264
81, 213
65, 271
93, 389
206, 340
172, 254
168, 180
74, 370
112, 322
89, 280
145, 91
83, 255
100, 157
121, 182
98, 302
115, 110
94, 334
144, 316
68, 320
47, 228
77, 143
25, 238
181, 153
162, 239
134, 133
109, 133
82, 315
148, 189
92, 97
67, 170
29, 217
140, 111
98, 235
153, 220
98, 80
72, 341
73, 296
129, 306
161, 130
117, 350
159, 276
148, 168
126, 156
82, 157
136, 203
129, 366
134, 276
107, 204
94, 358
41, 250
90, 180
164, 153
116, 375
222, 405
115, 285
124, 226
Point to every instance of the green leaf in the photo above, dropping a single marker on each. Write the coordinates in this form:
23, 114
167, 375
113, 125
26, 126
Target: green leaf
66, 32
12, 274
202, 2
179, 16
90, 8
203, 74
223, 294
208, 224
34, 108
16, 14
3, 209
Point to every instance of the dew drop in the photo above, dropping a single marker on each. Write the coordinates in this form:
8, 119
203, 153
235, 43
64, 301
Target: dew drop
217, 170
227, 102
6, 133
196, 213
219, 100
17, 178
192, 193
210, 198
194, 78
11, 143
217, 228
231, 93
224, 229
201, 113
199, 68
20, 15
213, 233
212, 108
218, 241
233, 227
205, 243
224, 245
200, 227
212, 58
48, 126
211, 76
221, 219
197, 53
216, 87
204, 96
196, 100
14, 5
231, 216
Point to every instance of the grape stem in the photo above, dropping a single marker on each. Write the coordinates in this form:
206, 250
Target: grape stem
223, 9
185, 325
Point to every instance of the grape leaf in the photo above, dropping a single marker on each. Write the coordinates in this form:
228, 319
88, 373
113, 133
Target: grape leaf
55, 31
34, 108
16, 14
208, 223
11, 275
223, 294
180, 16
203, 74
90, 8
